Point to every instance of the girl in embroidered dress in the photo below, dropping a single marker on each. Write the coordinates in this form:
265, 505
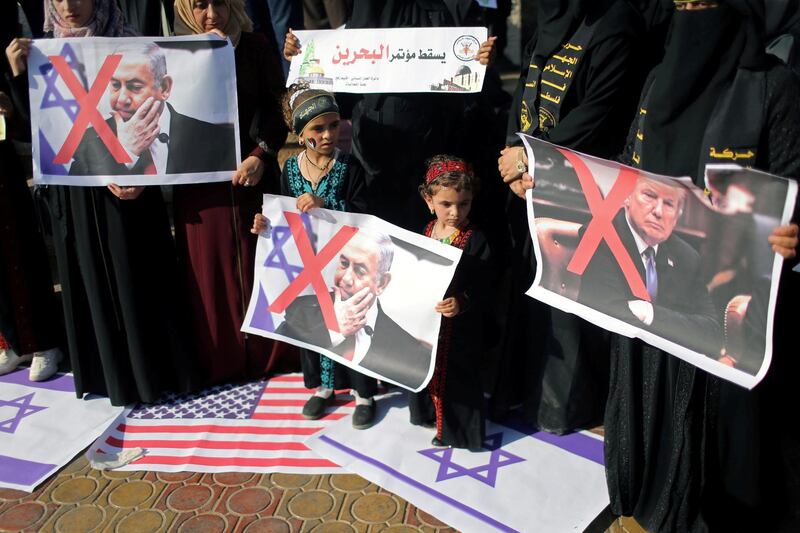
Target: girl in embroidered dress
453, 400
323, 176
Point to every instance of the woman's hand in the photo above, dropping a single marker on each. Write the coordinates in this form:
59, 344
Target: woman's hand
517, 188
125, 193
291, 45
17, 54
527, 181
487, 51
260, 224
308, 201
448, 307
507, 163
784, 240
249, 172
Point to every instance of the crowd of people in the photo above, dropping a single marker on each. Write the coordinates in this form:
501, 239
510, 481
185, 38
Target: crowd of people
153, 299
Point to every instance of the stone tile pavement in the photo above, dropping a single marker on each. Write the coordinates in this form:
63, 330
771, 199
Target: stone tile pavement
80, 499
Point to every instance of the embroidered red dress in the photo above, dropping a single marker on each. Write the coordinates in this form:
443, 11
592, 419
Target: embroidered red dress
453, 399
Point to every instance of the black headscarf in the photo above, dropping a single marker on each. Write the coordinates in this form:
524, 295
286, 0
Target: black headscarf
704, 50
409, 13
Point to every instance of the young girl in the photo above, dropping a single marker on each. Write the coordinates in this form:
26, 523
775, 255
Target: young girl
322, 176
454, 397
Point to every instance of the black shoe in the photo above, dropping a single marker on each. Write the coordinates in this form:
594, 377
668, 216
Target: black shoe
437, 442
315, 407
364, 416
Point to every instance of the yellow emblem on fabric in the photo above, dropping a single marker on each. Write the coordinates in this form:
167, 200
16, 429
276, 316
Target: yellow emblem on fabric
728, 153
525, 117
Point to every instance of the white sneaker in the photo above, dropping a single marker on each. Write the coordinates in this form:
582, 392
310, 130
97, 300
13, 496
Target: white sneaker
9, 360
45, 364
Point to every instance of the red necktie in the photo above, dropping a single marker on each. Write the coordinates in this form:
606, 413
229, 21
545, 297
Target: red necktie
149, 165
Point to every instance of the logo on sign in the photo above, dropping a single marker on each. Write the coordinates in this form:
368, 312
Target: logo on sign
466, 47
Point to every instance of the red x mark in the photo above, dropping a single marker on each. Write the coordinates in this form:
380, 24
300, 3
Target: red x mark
312, 271
88, 110
601, 226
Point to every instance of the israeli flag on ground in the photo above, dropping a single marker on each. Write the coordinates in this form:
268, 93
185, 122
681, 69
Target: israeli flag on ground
43, 425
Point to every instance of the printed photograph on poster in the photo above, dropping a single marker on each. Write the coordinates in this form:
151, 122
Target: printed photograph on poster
352, 287
396, 60
133, 111
688, 271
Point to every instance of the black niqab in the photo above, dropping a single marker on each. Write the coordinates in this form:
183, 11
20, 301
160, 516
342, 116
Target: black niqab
409, 13
704, 50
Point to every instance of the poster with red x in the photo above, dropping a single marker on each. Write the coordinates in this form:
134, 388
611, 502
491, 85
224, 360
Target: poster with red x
133, 111
687, 270
353, 287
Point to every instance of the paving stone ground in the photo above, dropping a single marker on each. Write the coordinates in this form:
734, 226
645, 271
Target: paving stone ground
82, 500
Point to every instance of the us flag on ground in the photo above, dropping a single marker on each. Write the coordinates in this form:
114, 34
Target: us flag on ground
256, 427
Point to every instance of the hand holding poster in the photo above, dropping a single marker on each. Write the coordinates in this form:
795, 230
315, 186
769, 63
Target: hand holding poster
654, 257
352, 287
395, 60
133, 111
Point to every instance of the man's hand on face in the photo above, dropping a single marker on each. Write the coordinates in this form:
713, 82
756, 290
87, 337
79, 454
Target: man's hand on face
351, 314
140, 131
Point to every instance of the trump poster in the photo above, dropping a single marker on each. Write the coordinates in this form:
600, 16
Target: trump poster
395, 60
685, 269
133, 111
352, 287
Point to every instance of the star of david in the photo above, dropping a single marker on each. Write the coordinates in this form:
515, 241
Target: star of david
24, 408
280, 236
52, 96
484, 473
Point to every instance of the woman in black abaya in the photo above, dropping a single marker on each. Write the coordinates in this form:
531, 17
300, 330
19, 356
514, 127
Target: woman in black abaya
685, 451
578, 89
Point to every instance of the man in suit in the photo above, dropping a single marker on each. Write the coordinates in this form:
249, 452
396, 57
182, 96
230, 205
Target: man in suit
367, 335
158, 139
680, 308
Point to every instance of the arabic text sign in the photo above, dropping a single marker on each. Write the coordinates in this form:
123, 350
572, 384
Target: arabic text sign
317, 275
397, 60
654, 257
133, 111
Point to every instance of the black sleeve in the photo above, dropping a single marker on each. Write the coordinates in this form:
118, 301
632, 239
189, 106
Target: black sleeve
781, 142
513, 116
608, 71
356, 189
475, 274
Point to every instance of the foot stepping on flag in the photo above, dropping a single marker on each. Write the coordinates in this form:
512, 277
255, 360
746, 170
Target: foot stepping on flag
255, 427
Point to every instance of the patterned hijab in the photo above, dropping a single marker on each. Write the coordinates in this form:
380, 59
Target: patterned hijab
238, 21
106, 21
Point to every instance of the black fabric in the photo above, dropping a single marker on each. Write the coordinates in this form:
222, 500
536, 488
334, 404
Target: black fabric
597, 109
408, 13
117, 268
466, 338
704, 52
686, 451
553, 362
145, 15
418, 126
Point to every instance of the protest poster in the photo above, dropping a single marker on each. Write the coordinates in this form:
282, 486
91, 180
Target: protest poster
686, 270
352, 287
394, 60
133, 111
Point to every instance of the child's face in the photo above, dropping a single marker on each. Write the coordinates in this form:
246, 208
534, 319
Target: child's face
322, 133
450, 206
